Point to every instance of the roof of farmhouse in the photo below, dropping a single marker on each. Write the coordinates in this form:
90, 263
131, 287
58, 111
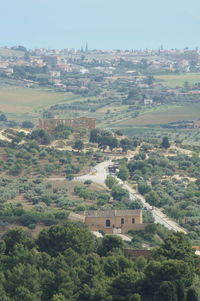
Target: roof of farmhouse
112, 213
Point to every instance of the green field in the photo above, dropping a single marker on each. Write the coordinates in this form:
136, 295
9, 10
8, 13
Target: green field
173, 80
21, 103
165, 115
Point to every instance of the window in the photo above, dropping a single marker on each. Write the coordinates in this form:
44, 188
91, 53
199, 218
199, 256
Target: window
107, 223
133, 220
122, 221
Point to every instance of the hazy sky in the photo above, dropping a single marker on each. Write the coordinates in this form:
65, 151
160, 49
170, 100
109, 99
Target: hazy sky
105, 24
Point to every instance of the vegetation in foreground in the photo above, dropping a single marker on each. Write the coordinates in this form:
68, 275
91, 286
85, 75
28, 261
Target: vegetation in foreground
67, 262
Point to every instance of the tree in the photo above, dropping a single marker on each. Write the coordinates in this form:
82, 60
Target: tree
125, 144
143, 188
177, 246
192, 295
62, 131
17, 236
28, 219
113, 143
149, 80
59, 297
110, 182
23, 282
95, 135
172, 272
41, 136
123, 173
119, 193
165, 143
15, 169
166, 292
88, 182
134, 93
109, 141
59, 238
125, 285
152, 198
119, 133
111, 243
180, 291
27, 124
3, 117
47, 114
79, 145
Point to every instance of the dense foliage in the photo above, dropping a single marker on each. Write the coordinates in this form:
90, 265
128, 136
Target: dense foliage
68, 263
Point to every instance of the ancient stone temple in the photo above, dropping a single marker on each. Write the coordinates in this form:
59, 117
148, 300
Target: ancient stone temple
50, 124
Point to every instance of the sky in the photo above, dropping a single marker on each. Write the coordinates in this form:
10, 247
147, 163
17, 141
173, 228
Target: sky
104, 24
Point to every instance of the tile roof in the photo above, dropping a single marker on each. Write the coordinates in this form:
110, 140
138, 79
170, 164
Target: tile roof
112, 213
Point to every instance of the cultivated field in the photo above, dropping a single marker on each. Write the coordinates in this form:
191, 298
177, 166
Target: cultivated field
186, 136
173, 80
21, 103
171, 114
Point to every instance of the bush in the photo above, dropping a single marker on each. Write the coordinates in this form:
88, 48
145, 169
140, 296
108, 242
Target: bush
88, 182
32, 226
28, 219
69, 177
27, 124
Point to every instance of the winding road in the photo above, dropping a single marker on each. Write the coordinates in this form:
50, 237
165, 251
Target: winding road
99, 174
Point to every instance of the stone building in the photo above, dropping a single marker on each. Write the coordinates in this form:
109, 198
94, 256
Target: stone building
50, 124
114, 221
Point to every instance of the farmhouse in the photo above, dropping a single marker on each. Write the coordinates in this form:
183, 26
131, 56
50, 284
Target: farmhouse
50, 124
114, 221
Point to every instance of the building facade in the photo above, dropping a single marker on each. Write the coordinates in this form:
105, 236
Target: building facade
50, 124
114, 221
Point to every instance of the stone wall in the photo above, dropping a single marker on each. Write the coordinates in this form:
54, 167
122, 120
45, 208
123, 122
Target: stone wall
130, 253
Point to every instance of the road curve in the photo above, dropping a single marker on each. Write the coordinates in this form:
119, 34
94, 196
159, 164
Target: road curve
99, 174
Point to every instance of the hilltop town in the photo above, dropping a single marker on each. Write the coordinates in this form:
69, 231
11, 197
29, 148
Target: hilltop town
91, 72
117, 88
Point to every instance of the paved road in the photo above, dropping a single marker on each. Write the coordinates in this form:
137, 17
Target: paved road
99, 173
159, 217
